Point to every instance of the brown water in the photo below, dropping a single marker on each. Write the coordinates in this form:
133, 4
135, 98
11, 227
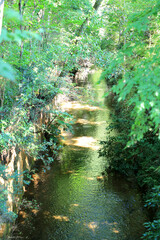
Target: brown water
76, 201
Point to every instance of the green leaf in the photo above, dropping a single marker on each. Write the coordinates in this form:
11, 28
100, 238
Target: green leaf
7, 71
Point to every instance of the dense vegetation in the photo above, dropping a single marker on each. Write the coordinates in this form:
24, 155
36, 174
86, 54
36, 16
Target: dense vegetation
133, 75
42, 46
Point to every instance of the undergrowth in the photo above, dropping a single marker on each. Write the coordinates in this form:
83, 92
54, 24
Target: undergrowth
140, 161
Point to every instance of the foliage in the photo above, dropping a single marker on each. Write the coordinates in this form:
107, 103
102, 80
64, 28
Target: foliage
140, 161
153, 228
135, 61
132, 73
43, 41
39, 42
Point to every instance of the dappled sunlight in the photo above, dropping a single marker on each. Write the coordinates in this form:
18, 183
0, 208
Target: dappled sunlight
85, 121
83, 142
110, 223
27, 163
100, 177
61, 218
2, 229
1, 181
74, 205
56, 217
35, 211
22, 214
113, 225
46, 213
115, 230
69, 171
92, 225
65, 134
75, 105
75, 148
88, 178
77, 221
36, 179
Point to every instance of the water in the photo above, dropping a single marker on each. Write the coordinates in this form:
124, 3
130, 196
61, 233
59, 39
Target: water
76, 200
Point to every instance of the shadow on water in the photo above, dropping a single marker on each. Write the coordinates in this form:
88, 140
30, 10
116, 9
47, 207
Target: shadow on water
76, 200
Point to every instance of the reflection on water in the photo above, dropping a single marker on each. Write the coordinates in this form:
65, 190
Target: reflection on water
77, 201
84, 142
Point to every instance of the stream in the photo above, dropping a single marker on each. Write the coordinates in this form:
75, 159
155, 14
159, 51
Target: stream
76, 201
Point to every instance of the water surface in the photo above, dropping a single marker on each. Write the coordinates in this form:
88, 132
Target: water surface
76, 200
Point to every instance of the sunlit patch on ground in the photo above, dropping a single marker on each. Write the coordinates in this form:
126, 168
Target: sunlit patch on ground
85, 142
61, 218
75, 105
92, 225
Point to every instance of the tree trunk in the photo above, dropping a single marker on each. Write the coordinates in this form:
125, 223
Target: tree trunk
21, 28
1, 14
95, 6
80, 30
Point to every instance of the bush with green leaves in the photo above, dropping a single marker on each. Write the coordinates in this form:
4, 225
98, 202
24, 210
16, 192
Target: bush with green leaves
153, 228
28, 86
137, 65
132, 73
139, 161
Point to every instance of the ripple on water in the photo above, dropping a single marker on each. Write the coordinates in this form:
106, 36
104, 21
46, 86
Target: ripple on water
77, 202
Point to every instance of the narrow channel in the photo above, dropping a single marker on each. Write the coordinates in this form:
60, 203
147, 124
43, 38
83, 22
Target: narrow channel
76, 201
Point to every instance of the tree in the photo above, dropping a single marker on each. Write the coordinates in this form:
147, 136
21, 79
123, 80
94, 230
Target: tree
132, 72
1, 14
38, 39
134, 62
